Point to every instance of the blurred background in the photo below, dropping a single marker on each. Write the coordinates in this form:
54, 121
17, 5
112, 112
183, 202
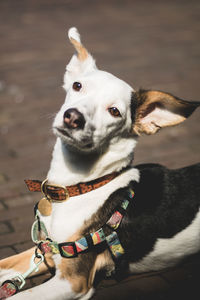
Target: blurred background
150, 44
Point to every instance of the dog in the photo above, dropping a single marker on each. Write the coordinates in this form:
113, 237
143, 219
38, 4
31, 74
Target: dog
99, 211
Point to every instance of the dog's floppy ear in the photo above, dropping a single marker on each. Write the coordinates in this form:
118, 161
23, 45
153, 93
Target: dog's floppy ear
154, 110
81, 62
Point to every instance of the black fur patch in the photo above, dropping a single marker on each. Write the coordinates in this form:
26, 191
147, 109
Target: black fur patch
166, 201
133, 106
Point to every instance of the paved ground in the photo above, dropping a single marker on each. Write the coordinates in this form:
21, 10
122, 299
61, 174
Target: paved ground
151, 44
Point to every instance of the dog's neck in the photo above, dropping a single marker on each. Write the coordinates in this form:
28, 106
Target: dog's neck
70, 167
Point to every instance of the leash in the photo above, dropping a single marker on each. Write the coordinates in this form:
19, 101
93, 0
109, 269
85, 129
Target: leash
45, 245
11, 287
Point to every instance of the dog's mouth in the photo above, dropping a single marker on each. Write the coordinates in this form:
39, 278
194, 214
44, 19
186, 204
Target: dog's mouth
85, 143
62, 131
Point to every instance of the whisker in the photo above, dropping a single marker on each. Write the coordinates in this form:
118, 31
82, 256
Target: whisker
48, 116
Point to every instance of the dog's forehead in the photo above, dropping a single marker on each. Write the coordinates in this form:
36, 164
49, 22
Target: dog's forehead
107, 84
103, 77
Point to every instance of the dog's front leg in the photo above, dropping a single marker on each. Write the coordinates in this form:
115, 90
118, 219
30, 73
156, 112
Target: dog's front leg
19, 263
54, 289
58, 287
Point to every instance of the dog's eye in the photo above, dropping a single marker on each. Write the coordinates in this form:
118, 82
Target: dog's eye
114, 112
77, 86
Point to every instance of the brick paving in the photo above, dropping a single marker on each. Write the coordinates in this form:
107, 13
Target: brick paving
151, 44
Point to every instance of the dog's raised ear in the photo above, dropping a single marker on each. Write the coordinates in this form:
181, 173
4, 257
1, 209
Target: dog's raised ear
153, 110
81, 62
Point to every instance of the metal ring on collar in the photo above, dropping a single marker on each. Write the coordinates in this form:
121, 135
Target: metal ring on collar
45, 193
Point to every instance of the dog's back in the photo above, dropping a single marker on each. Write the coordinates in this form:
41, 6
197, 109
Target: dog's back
164, 217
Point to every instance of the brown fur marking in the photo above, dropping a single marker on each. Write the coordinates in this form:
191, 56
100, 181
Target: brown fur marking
82, 52
76, 270
149, 100
80, 271
21, 262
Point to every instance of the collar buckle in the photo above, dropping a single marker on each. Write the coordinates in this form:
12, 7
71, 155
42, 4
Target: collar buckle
53, 192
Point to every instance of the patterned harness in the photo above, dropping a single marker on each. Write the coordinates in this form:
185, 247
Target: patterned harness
43, 243
72, 249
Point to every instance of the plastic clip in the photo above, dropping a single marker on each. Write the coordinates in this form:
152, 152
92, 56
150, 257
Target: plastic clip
34, 267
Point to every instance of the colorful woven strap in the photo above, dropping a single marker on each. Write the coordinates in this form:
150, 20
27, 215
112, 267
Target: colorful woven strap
98, 237
49, 246
114, 243
72, 249
117, 217
8, 289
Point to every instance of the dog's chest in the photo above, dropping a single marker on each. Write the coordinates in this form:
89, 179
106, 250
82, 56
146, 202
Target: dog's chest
68, 217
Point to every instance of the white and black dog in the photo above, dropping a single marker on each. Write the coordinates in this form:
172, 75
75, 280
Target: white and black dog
100, 212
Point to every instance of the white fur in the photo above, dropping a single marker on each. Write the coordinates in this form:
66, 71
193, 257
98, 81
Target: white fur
160, 117
6, 274
74, 34
73, 162
79, 168
55, 288
169, 252
75, 67
72, 213
86, 296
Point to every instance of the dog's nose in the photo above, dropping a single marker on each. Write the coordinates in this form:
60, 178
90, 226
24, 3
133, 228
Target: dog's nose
74, 119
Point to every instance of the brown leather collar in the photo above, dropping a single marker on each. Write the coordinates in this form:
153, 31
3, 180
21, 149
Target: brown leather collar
58, 193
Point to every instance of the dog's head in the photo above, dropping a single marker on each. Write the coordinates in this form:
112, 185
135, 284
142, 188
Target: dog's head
100, 108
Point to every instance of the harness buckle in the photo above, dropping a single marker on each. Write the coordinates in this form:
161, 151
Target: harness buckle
54, 192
